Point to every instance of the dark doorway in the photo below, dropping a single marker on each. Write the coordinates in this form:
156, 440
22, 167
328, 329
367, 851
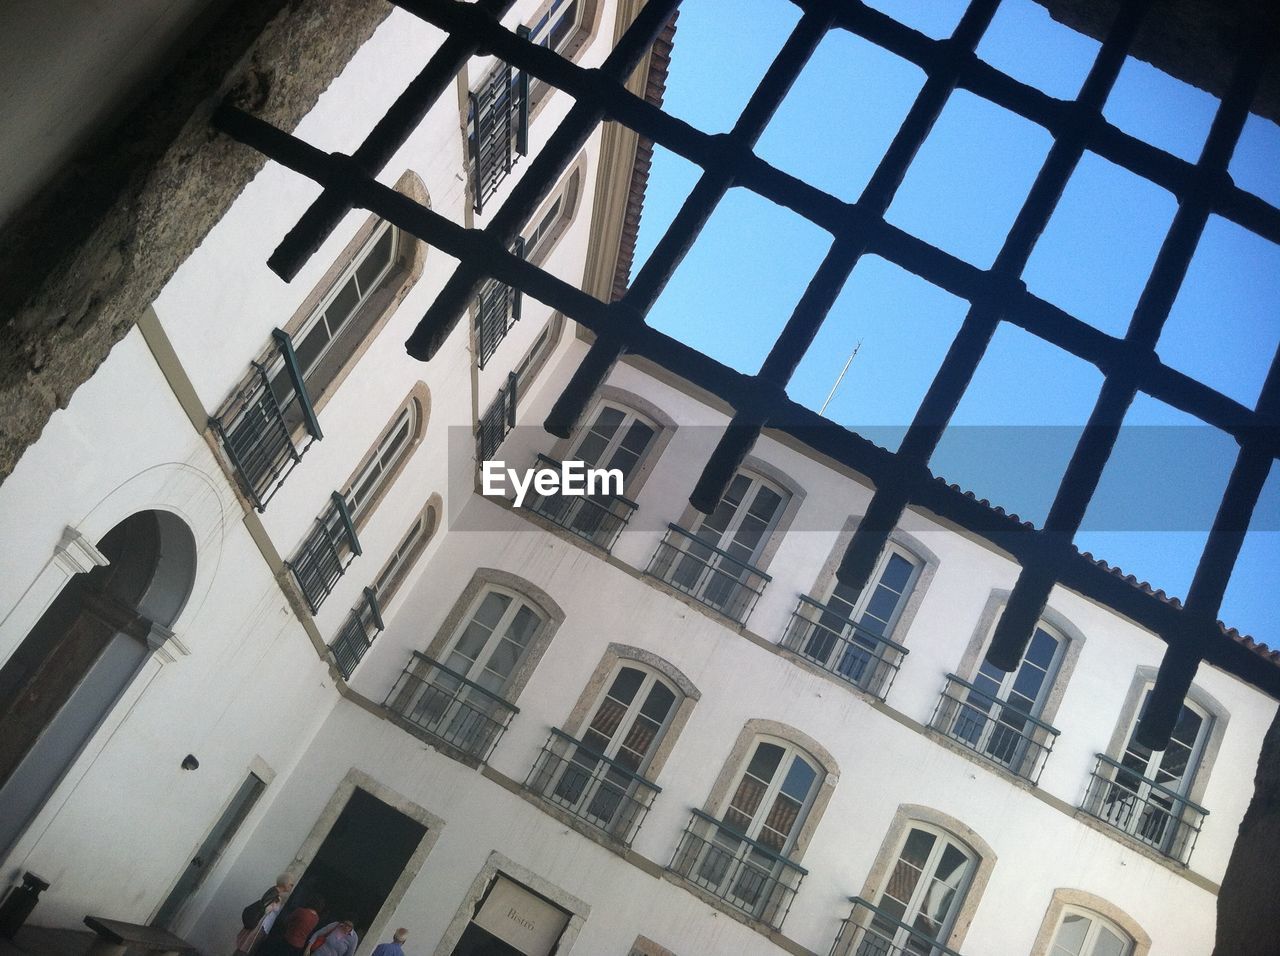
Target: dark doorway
360, 860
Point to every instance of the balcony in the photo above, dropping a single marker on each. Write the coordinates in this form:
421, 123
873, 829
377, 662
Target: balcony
499, 129
597, 518
707, 574
497, 310
256, 429
747, 875
843, 647
450, 707
326, 554
356, 636
1144, 810
870, 931
498, 420
591, 787
993, 728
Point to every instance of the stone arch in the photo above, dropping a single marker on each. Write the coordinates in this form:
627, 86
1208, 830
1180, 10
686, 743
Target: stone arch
82, 654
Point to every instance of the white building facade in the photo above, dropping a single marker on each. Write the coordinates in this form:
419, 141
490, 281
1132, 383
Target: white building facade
291, 636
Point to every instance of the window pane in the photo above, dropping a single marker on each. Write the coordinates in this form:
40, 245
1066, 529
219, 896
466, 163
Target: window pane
522, 628
342, 306
1109, 944
626, 684
799, 779
764, 763
1070, 938
658, 704
374, 263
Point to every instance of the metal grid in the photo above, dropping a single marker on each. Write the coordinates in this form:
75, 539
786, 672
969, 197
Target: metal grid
1130, 364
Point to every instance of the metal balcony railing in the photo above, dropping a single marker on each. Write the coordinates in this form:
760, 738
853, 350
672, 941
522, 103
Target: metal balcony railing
498, 419
843, 647
450, 707
743, 872
597, 518
256, 429
591, 786
497, 310
1147, 811
356, 636
993, 728
499, 129
869, 931
326, 553
706, 573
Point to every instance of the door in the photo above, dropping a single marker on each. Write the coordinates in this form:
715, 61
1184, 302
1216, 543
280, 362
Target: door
222, 833
845, 639
992, 719
728, 543
459, 704
625, 731
921, 896
1145, 799
359, 862
512, 920
768, 804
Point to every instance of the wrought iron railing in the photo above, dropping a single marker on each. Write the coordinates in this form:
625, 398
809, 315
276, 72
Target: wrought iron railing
743, 872
326, 554
591, 786
449, 706
869, 931
356, 636
843, 647
599, 518
499, 128
256, 428
1147, 811
497, 310
708, 574
498, 420
993, 728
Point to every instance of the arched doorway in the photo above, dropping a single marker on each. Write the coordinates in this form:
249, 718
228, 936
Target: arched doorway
72, 666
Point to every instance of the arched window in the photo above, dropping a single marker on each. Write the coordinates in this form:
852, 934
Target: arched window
918, 900
407, 551
997, 713
850, 634
616, 439
463, 692
549, 223
1146, 793
741, 853
326, 338
601, 778
563, 26
1082, 932
716, 561
389, 454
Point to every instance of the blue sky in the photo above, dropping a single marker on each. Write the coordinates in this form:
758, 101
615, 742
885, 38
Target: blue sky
1015, 429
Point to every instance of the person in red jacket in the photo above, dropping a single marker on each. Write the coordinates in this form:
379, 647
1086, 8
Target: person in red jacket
296, 928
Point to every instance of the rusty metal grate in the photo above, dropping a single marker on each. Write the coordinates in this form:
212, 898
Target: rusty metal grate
1130, 363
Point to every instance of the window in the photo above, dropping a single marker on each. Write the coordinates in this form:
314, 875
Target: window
547, 224
922, 894
326, 339
742, 858
558, 26
716, 562
407, 551
461, 697
1145, 792
997, 714
358, 633
326, 553
617, 438
848, 636
381, 464
601, 779
1083, 933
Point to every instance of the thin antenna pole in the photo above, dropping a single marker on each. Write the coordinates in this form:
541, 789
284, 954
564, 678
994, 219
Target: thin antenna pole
840, 378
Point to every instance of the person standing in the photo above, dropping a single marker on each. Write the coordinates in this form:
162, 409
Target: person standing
295, 930
259, 915
339, 938
393, 948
